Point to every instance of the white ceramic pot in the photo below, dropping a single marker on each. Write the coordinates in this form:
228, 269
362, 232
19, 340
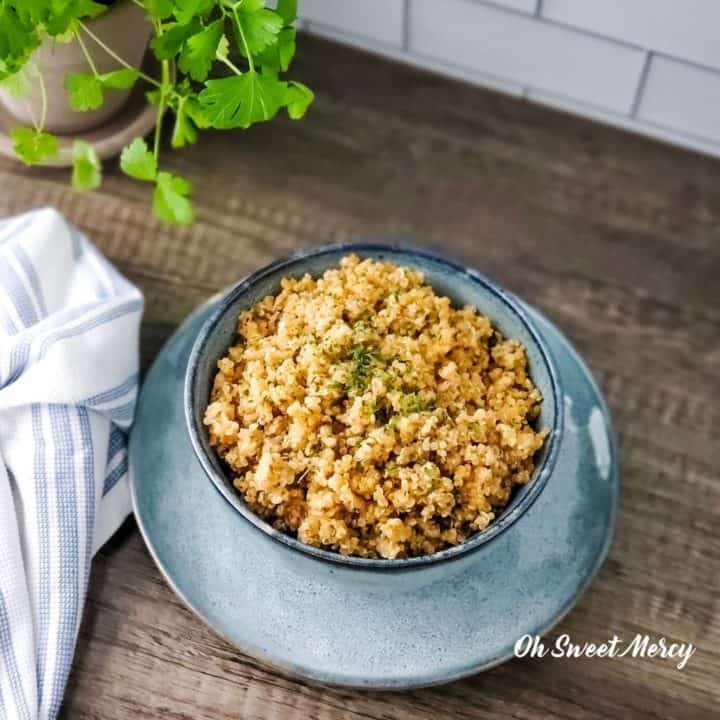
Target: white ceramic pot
125, 29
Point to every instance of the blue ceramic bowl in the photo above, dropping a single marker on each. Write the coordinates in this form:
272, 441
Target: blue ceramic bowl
463, 286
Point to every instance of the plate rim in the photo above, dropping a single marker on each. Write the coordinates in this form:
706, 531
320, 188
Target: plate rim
304, 674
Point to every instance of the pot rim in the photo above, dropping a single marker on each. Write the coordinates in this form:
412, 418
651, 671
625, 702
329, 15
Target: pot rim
196, 430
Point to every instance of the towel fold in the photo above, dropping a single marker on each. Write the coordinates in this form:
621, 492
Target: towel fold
69, 334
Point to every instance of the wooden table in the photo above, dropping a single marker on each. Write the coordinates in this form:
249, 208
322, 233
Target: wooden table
615, 237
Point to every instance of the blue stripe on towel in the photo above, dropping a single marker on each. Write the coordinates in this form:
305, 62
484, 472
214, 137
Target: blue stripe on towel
115, 475
32, 276
113, 393
76, 241
20, 354
90, 324
12, 284
66, 549
7, 653
88, 454
24, 222
41, 493
116, 443
123, 414
93, 265
10, 328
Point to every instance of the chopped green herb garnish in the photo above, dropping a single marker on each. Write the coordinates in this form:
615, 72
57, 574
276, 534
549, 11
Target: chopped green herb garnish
414, 402
362, 360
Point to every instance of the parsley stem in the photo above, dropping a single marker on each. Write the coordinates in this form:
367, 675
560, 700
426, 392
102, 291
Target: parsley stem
231, 65
43, 96
242, 37
161, 109
115, 56
29, 108
87, 55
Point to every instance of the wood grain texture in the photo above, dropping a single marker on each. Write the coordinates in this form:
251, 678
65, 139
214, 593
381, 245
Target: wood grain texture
615, 237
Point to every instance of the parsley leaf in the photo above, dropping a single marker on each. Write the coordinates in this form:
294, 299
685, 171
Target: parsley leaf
63, 14
33, 146
170, 202
241, 100
18, 39
137, 161
119, 79
287, 10
167, 45
196, 112
279, 55
85, 91
260, 26
87, 173
198, 52
20, 84
184, 132
297, 99
223, 48
159, 9
186, 10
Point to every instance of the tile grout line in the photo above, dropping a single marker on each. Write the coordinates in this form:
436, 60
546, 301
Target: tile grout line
413, 58
551, 22
488, 80
671, 134
642, 82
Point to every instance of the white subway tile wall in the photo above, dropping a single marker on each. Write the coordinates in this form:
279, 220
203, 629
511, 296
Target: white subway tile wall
635, 64
631, 124
520, 49
528, 6
682, 97
380, 20
689, 29
442, 68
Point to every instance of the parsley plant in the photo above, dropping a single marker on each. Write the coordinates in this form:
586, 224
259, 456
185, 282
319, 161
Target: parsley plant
220, 66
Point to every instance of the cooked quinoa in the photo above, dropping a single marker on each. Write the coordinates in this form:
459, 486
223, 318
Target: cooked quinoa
364, 414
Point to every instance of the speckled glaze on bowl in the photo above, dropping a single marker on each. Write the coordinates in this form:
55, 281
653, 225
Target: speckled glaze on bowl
359, 626
464, 286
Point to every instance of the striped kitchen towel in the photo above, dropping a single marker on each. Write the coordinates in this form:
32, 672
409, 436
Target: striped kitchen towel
68, 382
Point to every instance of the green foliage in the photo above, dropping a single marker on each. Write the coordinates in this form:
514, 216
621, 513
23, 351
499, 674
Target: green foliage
21, 83
33, 146
87, 172
137, 161
170, 201
239, 101
413, 402
362, 363
23, 21
184, 131
198, 53
85, 91
297, 98
220, 66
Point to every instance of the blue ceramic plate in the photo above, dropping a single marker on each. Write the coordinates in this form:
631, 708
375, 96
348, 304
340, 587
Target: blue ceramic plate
365, 627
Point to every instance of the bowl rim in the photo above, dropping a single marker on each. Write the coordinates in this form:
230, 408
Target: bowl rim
228, 297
